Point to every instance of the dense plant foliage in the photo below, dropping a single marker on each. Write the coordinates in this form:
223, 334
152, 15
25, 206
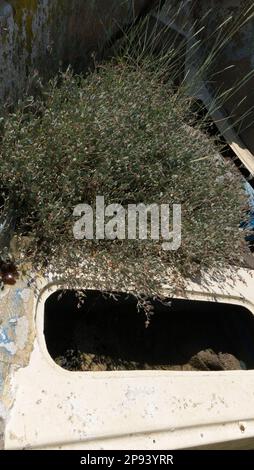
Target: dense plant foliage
123, 134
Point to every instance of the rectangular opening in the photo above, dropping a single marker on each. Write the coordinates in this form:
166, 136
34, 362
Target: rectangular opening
109, 332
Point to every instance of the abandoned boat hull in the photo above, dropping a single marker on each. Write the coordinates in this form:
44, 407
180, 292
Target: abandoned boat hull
46, 407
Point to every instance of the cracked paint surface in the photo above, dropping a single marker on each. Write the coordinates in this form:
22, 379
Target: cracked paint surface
128, 409
16, 341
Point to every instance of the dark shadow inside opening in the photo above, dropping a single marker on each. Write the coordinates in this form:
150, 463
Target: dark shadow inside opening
109, 333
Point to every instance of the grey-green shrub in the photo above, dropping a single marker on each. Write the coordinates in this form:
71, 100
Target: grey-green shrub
122, 133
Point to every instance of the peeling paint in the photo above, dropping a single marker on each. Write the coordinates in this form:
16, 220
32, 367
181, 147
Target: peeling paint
16, 340
6, 343
22, 330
